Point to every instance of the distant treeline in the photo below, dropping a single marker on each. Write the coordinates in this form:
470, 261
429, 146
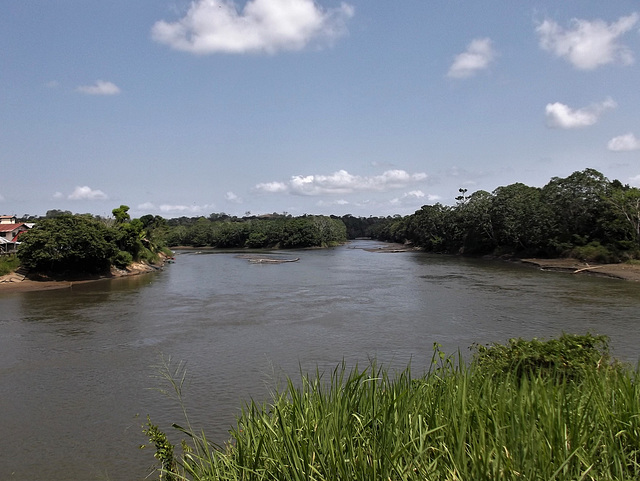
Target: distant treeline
278, 231
66, 243
584, 215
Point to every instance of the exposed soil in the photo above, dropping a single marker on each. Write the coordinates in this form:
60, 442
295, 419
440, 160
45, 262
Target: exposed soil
16, 283
628, 272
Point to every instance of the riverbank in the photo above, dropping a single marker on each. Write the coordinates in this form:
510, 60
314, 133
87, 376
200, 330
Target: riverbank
624, 271
14, 283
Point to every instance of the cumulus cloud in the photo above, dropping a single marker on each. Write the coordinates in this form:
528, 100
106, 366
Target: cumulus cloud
176, 208
87, 193
478, 56
342, 182
624, 143
272, 187
413, 196
332, 203
100, 88
564, 117
212, 26
146, 206
193, 209
588, 45
231, 197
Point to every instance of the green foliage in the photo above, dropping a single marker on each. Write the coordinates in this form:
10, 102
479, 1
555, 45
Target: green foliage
8, 264
121, 214
569, 356
122, 259
164, 450
67, 244
81, 244
280, 231
584, 214
594, 252
453, 423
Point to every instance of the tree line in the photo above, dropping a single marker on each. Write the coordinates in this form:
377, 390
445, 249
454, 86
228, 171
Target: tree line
584, 215
274, 231
64, 243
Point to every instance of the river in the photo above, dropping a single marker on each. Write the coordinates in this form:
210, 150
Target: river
79, 367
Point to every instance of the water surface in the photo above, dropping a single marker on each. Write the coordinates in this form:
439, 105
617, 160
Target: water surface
77, 365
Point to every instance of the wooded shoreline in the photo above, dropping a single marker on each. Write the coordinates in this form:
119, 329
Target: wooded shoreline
622, 271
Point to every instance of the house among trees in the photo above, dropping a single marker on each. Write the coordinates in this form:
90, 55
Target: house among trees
10, 230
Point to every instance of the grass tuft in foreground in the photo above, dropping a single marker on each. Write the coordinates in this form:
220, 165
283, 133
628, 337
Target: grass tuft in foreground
8, 264
459, 421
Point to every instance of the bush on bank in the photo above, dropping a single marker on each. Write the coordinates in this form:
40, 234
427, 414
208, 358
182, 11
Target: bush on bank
8, 263
459, 421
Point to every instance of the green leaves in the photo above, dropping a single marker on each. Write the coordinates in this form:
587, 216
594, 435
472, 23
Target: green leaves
81, 244
68, 243
457, 421
583, 209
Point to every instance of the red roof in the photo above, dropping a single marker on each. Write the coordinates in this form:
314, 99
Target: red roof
9, 227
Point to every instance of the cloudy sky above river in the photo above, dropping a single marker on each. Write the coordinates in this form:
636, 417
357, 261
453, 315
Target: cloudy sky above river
366, 107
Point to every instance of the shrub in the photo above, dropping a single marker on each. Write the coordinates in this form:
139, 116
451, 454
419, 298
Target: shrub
451, 424
67, 244
594, 252
8, 264
569, 356
122, 259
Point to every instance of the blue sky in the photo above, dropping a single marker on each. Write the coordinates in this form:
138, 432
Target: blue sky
179, 107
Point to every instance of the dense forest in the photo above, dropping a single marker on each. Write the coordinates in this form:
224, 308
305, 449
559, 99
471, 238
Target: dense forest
66, 243
272, 231
584, 215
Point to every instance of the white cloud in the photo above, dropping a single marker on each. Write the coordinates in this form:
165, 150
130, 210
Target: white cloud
146, 206
272, 187
87, 193
588, 45
624, 143
193, 209
324, 203
58, 195
342, 182
100, 88
412, 196
231, 197
478, 56
635, 181
211, 26
418, 194
562, 116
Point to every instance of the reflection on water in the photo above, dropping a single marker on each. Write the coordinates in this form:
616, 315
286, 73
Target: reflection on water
77, 365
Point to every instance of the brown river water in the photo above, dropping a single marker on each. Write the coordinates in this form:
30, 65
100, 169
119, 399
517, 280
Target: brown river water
79, 367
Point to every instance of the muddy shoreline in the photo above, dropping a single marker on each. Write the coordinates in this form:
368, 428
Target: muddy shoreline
12, 283
622, 271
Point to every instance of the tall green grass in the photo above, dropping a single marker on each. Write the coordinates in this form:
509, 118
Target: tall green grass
456, 422
8, 264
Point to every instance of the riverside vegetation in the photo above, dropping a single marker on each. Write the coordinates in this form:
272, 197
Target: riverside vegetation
67, 244
585, 216
529, 410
